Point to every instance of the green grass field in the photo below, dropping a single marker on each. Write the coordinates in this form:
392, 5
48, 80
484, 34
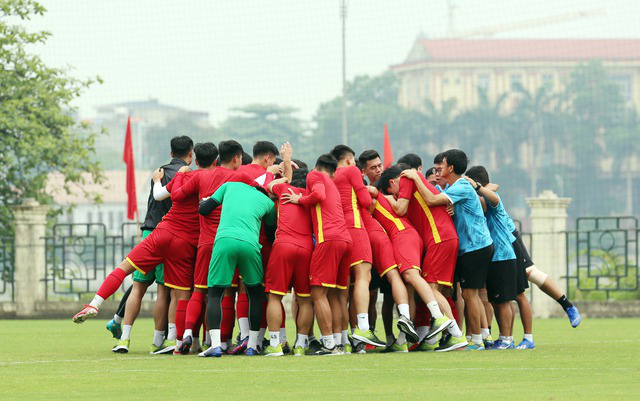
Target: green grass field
59, 360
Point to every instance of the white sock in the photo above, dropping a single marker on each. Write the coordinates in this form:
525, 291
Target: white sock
283, 335
510, 339
528, 337
454, 330
363, 321
178, 344
468, 339
506, 340
337, 338
434, 309
345, 337
215, 337
158, 337
274, 338
253, 339
302, 341
243, 322
126, 332
173, 332
403, 310
390, 339
187, 332
97, 301
117, 318
502, 338
260, 333
207, 338
485, 333
422, 331
327, 342
402, 338
476, 339
224, 346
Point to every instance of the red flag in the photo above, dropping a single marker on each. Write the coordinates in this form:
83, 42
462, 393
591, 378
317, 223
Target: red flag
127, 157
388, 153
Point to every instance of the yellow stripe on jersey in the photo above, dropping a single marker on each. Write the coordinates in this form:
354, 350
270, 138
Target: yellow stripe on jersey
320, 238
389, 216
356, 210
427, 212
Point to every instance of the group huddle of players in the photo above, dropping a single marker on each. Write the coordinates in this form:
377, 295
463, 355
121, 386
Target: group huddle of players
440, 246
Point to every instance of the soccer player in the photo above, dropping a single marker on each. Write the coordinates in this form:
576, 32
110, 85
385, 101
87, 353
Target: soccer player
476, 246
331, 258
289, 263
430, 175
237, 247
181, 156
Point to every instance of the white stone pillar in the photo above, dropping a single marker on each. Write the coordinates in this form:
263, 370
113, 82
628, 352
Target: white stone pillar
30, 263
548, 247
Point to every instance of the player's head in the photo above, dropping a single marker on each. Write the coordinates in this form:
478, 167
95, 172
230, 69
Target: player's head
264, 153
344, 155
371, 165
431, 176
389, 180
454, 163
206, 154
479, 174
182, 148
300, 164
438, 162
230, 154
327, 164
412, 160
299, 177
246, 158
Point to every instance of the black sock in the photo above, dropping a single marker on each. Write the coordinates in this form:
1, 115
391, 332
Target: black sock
564, 302
123, 303
214, 307
254, 296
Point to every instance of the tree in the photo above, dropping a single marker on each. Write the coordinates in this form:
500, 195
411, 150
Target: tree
37, 125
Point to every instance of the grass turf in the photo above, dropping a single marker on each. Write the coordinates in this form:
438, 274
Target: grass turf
52, 359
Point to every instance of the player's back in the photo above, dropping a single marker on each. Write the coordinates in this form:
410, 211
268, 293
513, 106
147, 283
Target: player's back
343, 180
294, 221
183, 218
390, 221
327, 215
157, 209
497, 222
257, 173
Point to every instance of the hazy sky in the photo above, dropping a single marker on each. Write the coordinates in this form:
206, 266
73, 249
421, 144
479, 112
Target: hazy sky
211, 55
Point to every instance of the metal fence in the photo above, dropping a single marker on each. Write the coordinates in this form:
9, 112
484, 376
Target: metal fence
602, 258
6, 268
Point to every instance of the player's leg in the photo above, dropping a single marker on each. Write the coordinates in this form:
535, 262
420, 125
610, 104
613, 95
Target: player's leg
131, 313
549, 287
486, 318
228, 318
274, 319
196, 301
304, 321
242, 311
114, 326
250, 266
214, 318
439, 321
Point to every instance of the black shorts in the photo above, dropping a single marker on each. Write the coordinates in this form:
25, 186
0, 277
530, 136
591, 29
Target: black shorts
521, 269
501, 281
376, 281
471, 268
385, 286
525, 253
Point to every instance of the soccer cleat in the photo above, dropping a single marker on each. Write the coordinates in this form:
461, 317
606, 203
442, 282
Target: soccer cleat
122, 347
185, 347
574, 316
327, 351
452, 343
488, 342
395, 347
273, 351
286, 349
314, 345
87, 312
251, 352
167, 347
241, 347
406, 326
211, 352
526, 344
347, 348
437, 325
475, 347
114, 328
298, 351
368, 337
424, 346
359, 348
412, 346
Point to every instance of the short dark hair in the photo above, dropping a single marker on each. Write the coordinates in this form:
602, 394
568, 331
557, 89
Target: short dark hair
299, 178
246, 158
430, 171
366, 156
301, 164
439, 158
387, 175
262, 148
479, 174
228, 150
327, 162
181, 146
411, 159
457, 159
339, 152
278, 160
206, 154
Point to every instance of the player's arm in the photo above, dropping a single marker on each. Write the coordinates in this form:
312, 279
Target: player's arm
493, 187
273, 183
316, 195
405, 190
429, 198
208, 205
182, 190
159, 192
286, 151
355, 179
485, 193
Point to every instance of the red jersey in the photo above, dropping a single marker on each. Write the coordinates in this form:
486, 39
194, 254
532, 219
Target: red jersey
183, 218
257, 173
353, 195
432, 222
370, 224
294, 221
204, 185
390, 221
327, 216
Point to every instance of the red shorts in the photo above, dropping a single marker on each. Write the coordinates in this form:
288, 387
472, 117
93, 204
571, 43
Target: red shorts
361, 251
289, 264
439, 263
407, 247
235, 282
265, 252
162, 246
383, 257
330, 263
201, 274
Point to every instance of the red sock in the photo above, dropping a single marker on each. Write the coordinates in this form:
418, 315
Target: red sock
242, 306
199, 322
228, 318
423, 316
181, 314
454, 310
111, 283
263, 322
194, 310
284, 316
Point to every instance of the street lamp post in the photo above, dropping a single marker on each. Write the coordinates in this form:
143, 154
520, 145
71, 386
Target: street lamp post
343, 15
